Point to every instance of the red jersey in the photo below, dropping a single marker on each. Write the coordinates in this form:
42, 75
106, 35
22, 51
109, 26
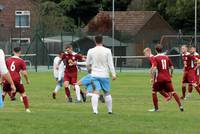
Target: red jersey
15, 65
192, 61
163, 63
70, 58
185, 61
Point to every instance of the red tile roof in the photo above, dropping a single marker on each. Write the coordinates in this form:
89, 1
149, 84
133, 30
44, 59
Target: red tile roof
129, 21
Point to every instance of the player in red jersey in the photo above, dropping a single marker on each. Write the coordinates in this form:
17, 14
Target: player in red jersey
191, 66
16, 65
150, 56
163, 65
71, 72
185, 55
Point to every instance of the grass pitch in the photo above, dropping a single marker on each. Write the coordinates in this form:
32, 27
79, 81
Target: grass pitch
131, 99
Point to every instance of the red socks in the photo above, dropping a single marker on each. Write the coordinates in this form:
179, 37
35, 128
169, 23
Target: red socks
67, 92
155, 100
190, 88
176, 97
25, 101
183, 91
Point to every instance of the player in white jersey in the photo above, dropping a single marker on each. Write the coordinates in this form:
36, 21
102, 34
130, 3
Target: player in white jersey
58, 71
5, 74
100, 60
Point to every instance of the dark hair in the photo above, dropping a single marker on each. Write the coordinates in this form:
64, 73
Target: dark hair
60, 52
158, 48
191, 46
98, 39
17, 49
68, 46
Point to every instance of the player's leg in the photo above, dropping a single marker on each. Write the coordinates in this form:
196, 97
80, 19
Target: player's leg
196, 87
155, 89
6, 89
105, 84
170, 88
190, 88
76, 87
12, 96
21, 90
183, 90
57, 88
95, 96
166, 95
67, 91
184, 81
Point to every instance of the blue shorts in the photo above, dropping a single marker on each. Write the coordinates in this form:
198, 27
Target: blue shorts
1, 99
86, 81
102, 84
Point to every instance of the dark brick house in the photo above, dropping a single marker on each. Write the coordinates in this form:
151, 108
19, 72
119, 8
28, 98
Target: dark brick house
141, 28
17, 20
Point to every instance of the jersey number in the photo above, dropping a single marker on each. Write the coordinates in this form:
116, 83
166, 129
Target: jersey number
12, 67
164, 64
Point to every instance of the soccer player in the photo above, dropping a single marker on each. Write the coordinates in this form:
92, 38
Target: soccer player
164, 68
71, 72
16, 65
100, 60
192, 76
4, 74
58, 71
150, 56
185, 54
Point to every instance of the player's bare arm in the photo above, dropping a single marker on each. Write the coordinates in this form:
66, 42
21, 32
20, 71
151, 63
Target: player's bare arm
153, 73
25, 74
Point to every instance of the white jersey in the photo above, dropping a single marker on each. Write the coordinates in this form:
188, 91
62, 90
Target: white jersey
101, 60
3, 67
58, 73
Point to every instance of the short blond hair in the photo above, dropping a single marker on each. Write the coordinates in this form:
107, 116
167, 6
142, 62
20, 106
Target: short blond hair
146, 49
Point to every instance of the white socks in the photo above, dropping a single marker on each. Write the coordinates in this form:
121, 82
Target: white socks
57, 88
108, 100
78, 94
95, 98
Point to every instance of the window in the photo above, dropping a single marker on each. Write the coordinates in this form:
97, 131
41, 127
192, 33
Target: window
23, 41
22, 19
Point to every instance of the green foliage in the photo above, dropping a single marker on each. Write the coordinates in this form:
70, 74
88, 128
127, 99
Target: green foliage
179, 13
53, 19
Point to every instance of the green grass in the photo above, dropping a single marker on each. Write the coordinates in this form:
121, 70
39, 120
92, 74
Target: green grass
131, 98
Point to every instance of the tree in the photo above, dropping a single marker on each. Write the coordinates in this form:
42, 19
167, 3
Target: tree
179, 13
53, 19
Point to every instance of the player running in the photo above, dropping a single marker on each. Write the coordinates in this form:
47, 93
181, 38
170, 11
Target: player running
71, 73
58, 71
164, 68
150, 56
16, 65
100, 60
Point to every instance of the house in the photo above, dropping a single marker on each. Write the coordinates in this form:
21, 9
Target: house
17, 20
138, 29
